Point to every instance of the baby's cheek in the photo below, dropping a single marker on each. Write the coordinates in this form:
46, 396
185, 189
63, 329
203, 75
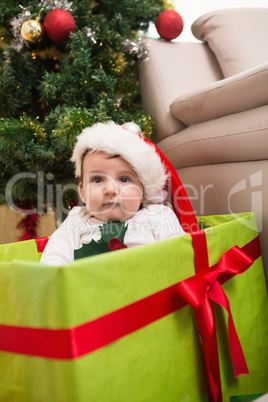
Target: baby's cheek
131, 199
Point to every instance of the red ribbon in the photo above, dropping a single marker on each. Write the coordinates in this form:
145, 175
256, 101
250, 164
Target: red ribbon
71, 343
41, 243
200, 291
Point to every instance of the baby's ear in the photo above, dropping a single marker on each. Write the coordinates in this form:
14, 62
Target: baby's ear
143, 199
81, 191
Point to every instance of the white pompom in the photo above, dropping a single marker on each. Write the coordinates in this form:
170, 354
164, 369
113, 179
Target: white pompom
132, 127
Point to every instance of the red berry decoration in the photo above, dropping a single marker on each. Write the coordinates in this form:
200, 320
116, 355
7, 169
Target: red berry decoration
58, 24
115, 244
169, 24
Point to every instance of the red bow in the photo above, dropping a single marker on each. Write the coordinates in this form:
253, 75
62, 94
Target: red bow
200, 291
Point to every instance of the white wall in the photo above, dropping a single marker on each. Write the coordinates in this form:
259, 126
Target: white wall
190, 10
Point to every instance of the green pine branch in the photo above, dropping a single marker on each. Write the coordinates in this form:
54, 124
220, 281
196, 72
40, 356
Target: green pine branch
50, 91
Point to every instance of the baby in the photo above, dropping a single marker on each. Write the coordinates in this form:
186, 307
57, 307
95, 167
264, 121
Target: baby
121, 182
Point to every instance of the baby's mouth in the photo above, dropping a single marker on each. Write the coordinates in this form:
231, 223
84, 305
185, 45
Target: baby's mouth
111, 204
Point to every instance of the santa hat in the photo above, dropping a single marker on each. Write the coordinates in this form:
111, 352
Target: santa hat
141, 156
155, 172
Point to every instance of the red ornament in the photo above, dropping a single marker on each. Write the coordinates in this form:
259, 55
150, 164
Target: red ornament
169, 24
58, 24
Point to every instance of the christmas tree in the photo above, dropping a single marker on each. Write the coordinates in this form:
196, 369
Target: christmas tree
64, 66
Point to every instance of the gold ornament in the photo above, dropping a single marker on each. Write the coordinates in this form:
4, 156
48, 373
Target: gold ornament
32, 31
169, 5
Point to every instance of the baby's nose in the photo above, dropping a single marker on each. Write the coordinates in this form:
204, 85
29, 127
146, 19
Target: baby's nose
111, 187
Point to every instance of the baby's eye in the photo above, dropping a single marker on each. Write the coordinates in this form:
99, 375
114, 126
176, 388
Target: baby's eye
97, 179
124, 179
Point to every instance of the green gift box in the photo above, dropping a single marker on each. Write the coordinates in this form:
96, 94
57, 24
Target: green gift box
113, 327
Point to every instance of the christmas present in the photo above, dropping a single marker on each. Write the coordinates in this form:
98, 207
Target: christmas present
138, 324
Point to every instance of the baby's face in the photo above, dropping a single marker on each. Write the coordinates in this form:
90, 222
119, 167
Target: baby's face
110, 189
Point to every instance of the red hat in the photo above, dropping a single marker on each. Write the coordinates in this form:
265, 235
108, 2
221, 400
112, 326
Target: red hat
177, 195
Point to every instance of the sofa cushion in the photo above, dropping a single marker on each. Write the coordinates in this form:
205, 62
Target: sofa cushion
235, 94
238, 37
237, 137
162, 78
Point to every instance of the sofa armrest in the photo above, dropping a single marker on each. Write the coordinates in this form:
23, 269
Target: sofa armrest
237, 36
162, 78
243, 91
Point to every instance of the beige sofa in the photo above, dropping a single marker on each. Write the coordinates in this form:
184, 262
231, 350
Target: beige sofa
209, 100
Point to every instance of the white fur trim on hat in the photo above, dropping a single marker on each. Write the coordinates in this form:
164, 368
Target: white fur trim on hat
141, 156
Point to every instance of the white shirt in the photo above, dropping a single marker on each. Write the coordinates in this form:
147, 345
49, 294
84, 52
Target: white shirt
150, 224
